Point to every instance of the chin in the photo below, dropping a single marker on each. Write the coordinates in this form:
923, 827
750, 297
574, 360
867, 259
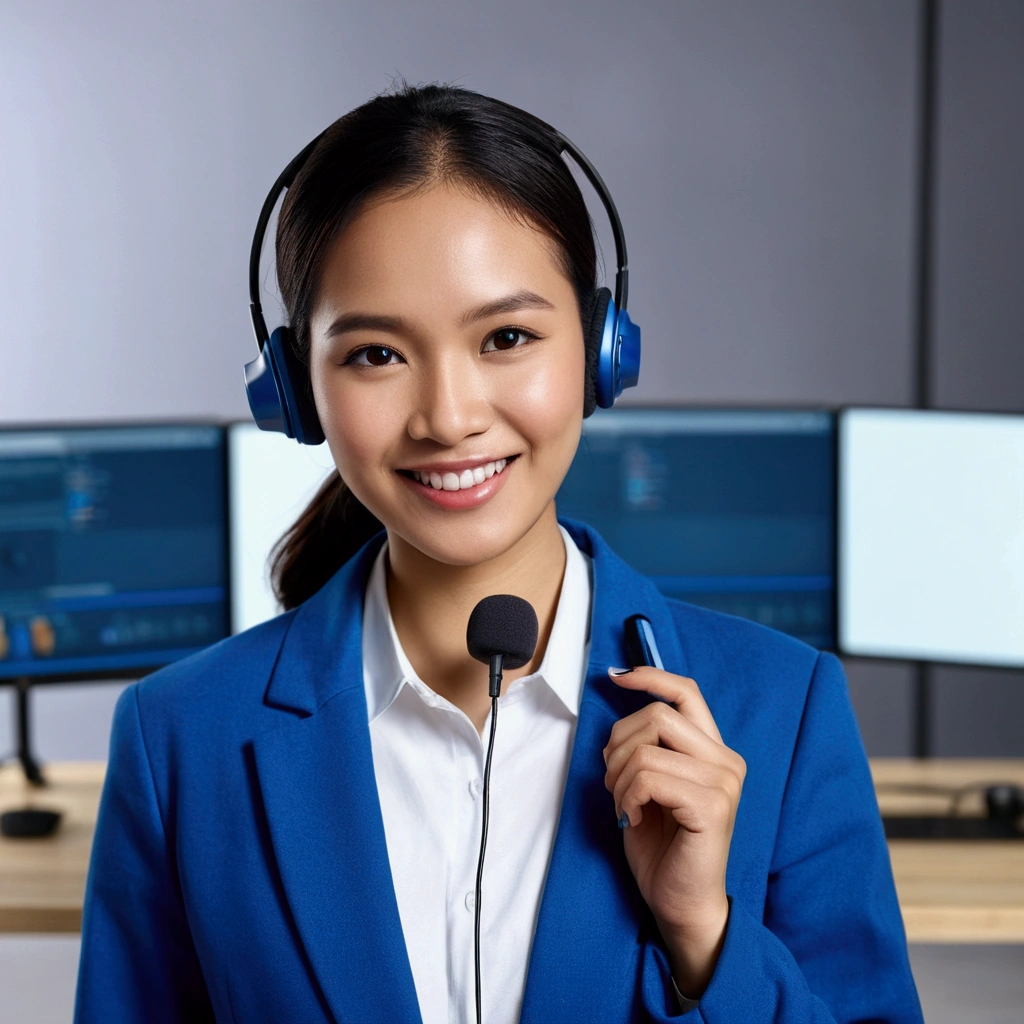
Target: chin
468, 539
465, 545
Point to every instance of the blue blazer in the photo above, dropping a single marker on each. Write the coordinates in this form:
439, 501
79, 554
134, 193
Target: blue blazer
240, 870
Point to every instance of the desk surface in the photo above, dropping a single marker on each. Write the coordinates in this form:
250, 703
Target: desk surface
42, 881
950, 891
953, 890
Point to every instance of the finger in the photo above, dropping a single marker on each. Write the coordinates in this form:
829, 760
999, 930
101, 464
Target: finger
681, 691
673, 720
694, 807
667, 764
661, 725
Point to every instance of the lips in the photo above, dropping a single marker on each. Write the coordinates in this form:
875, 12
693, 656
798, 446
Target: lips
459, 490
450, 480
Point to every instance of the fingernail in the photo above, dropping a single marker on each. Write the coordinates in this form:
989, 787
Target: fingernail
623, 820
619, 671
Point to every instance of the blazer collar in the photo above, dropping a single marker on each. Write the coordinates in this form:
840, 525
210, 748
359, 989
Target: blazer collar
620, 591
316, 777
315, 661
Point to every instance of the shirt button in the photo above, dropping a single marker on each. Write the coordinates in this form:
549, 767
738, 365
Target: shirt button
475, 787
470, 900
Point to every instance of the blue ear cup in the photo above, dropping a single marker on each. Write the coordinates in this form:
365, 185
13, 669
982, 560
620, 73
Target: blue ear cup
279, 391
613, 353
619, 359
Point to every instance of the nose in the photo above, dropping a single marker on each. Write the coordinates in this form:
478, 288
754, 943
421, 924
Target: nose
451, 401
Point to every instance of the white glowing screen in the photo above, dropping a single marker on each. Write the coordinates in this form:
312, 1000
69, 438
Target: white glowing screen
271, 480
931, 535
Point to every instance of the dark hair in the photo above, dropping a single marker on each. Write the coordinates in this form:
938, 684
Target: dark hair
398, 142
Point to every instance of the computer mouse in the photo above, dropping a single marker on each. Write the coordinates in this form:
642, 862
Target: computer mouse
1005, 801
29, 822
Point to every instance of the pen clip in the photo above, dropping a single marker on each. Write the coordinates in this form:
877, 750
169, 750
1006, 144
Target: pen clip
641, 647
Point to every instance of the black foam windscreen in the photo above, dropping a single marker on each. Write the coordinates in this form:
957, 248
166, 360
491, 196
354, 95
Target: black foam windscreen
502, 624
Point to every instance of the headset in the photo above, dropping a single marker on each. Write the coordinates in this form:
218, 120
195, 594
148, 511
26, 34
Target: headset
277, 382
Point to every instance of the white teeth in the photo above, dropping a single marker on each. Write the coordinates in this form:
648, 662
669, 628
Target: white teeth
460, 481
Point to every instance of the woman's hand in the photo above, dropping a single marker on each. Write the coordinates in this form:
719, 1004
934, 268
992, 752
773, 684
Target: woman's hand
676, 787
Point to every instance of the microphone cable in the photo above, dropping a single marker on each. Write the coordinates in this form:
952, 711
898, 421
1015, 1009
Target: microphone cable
480, 863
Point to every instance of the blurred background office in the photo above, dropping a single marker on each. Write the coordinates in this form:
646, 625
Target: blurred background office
821, 197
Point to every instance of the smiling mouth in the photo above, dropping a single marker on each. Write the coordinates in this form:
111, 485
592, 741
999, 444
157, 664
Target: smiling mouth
459, 481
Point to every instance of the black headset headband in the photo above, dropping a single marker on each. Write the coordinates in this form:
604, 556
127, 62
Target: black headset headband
287, 176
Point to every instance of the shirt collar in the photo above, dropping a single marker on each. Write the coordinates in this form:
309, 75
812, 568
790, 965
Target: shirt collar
386, 668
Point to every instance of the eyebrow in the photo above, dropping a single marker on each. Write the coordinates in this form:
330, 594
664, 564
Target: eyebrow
395, 324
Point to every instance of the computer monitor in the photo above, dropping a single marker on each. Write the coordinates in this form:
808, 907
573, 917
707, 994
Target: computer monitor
733, 510
271, 480
931, 536
113, 548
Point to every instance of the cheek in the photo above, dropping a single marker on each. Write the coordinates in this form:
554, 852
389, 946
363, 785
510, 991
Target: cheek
546, 407
360, 425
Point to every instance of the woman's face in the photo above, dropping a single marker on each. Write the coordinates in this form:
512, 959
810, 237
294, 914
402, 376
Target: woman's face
446, 349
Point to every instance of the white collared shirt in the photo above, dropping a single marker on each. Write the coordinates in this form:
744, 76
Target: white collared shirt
429, 759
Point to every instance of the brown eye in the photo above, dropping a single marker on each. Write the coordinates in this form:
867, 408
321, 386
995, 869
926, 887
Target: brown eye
373, 355
508, 337
378, 355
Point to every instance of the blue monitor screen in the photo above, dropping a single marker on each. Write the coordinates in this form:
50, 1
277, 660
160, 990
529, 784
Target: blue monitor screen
113, 553
731, 510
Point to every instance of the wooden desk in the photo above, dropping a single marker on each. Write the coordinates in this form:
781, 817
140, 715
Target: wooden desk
953, 890
42, 881
950, 891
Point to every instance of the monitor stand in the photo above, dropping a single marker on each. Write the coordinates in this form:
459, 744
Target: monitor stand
29, 764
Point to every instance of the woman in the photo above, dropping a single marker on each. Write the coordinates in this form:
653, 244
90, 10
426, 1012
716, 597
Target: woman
289, 825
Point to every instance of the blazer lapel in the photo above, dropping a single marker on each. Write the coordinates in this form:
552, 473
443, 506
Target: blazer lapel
592, 917
317, 782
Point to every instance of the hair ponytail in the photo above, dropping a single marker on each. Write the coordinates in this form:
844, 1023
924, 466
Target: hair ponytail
331, 529
391, 146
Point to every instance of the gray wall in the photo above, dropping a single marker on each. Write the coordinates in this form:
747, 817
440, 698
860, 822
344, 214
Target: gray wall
762, 155
979, 296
